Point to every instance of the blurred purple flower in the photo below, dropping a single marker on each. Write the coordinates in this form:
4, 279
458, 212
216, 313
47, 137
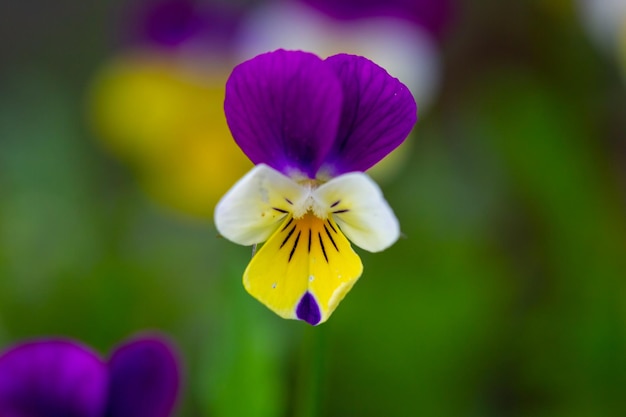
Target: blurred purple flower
62, 378
171, 22
433, 15
174, 23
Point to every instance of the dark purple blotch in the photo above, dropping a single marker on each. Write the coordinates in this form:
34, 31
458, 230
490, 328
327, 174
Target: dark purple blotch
308, 310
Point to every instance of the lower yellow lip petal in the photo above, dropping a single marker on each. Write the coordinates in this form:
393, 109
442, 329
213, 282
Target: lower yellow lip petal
304, 269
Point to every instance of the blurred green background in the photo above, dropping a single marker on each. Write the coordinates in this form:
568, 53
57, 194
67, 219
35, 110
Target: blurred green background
507, 296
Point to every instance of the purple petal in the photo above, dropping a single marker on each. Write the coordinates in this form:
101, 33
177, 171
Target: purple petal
283, 110
378, 114
145, 379
52, 378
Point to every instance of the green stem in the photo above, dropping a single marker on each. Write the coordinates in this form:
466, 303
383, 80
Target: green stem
311, 372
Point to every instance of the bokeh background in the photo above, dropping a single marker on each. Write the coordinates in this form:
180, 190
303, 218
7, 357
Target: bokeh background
506, 295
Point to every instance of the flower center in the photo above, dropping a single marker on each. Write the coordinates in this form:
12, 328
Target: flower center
309, 204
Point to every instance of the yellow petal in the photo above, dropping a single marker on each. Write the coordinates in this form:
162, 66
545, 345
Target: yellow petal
304, 269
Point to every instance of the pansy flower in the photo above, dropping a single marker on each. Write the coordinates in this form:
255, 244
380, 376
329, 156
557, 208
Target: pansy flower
311, 127
63, 378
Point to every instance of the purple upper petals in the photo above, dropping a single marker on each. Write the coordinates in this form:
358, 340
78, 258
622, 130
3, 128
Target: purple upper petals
301, 115
144, 379
308, 310
53, 378
283, 110
378, 113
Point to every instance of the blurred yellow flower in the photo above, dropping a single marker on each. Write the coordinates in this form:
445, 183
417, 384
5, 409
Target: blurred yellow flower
168, 123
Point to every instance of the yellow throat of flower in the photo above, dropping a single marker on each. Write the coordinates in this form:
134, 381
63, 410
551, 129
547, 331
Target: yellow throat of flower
306, 259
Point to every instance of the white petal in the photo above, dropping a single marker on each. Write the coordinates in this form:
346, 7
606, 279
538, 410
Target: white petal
359, 208
254, 207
